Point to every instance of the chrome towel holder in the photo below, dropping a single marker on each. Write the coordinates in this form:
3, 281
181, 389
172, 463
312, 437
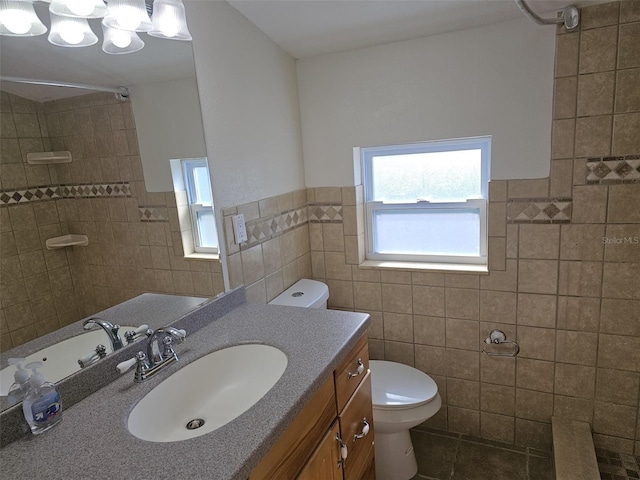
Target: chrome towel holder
498, 337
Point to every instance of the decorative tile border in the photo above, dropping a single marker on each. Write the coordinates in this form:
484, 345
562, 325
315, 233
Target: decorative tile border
608, 170
263, 229
323, 213
153, 213
539, 210
51, 192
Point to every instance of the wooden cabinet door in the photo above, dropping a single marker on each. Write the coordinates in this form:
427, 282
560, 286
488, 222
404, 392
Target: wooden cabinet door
358, 410
324, 463
351, 371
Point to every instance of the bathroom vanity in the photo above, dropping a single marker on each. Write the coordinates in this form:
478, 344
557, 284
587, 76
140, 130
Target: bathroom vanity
321, 347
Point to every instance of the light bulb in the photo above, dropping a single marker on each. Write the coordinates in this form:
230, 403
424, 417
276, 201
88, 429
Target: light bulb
16, 21
128, 18
71, 34
121, 39
169, 26
81, 8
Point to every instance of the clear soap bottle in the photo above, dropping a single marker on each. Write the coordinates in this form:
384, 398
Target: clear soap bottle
21, 385
41, 405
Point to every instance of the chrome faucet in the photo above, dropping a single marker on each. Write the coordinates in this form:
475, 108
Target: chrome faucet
110, 329
156, 358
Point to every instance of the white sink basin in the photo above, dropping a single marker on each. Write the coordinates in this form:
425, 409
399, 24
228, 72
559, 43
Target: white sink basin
61, 360
214, 389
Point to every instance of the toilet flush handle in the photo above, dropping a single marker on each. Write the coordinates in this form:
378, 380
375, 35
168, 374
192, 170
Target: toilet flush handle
358, 371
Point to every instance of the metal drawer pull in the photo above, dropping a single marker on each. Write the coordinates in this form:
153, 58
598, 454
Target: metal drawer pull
358, 371
365, 430
343, 450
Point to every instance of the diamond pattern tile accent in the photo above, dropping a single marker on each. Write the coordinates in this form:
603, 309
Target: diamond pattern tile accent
35, 194
607, 170
539, 210
153, 214
325, 213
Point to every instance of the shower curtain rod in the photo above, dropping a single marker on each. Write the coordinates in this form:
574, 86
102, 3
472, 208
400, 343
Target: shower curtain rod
122, 92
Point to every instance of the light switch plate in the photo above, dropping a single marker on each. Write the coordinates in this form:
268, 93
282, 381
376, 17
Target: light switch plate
239, 228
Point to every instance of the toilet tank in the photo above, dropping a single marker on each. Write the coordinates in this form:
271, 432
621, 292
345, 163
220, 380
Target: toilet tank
304, 293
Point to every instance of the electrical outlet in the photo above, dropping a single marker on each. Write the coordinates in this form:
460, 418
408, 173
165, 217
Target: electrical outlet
239, 228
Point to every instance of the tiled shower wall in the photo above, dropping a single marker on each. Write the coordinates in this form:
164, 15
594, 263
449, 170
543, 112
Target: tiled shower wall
134, 236
564, 278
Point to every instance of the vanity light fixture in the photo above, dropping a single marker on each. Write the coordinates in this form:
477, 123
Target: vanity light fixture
19, 19
121, 19
118, 42
71, 32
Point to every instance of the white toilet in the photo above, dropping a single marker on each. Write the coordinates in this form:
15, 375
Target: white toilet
403, 397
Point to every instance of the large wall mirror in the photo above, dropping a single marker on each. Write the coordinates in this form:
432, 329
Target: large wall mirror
118, 190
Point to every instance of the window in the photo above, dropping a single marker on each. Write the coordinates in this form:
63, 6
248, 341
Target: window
427, 202
198, 186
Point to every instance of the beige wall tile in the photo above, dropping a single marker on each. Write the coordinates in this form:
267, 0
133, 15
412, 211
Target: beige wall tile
367, 296
462, 303
268, 207
497, 191
500, 428
428, 279
580, 278
534, 405
336, 266
625, 138
614, 444
497, 253
564, 97
629, 12
529, 188
512, 241
561, 178
615, 420
395, 276
567, 48
462, 334
251, 211
619, 352
428, 301
317, 265
623, 201
365, 274
235, 270
593, 16
399, 352
328, 195
398, 327
539, 241
463, 364
598, 49
562, 138
589, 204
333, 237
621, 280
396, 298
429, 330
537, 310
593, 136
498, 306
498, 399
430, 359
497, 219
502, 280
620, 317
628, 49
616, 386
256, 293
463, 420
595, 94
497, 370
376, 325
576, 347
575, 380
627, 95
582, 242
340, 293
573, 408
462, 281
538, 276
534, 434
274, 285
535, 375
537, 343
272, 256
348, 195
463, 393
622, 243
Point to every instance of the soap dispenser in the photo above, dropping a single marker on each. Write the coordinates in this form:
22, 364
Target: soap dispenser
41, 405
21, 385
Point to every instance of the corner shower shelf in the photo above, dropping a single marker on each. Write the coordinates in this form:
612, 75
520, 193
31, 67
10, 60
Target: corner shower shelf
67, 241
47, 158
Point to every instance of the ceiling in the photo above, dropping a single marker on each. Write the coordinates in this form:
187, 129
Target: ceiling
303, 28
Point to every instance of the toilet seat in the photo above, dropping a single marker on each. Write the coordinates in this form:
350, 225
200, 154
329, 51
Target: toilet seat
396, 386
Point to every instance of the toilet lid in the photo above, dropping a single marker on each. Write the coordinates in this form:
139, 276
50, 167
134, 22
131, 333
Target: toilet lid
397, 386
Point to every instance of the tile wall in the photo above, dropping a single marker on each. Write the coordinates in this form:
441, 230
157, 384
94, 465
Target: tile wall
564, 256
135, 244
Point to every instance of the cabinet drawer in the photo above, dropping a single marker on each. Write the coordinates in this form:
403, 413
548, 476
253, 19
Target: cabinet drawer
323, 464
352, 419
346, 375
287, 457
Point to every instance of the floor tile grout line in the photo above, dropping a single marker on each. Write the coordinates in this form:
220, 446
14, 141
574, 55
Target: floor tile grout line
455, 458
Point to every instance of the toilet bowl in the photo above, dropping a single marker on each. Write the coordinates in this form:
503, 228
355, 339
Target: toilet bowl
403, 397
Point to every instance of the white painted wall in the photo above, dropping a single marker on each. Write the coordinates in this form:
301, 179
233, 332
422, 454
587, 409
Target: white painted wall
249, 98
169, 126
495, 80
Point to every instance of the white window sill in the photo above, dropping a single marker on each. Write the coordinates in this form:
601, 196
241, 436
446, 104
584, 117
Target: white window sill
427, 267
202, 256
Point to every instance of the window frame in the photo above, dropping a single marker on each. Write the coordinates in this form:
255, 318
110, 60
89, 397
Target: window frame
479, 204
188, 167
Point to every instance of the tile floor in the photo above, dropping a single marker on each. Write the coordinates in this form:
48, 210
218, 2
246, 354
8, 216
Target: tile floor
618, 466
451, 456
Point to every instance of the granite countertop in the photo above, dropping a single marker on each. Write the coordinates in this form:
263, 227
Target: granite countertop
92, 441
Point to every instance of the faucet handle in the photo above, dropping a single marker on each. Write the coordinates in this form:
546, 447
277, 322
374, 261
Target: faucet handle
131, 335
125, 366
